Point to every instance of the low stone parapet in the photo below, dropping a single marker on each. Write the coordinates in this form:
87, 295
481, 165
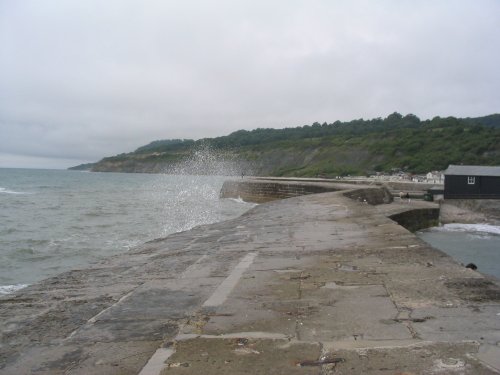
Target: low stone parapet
260, 191
417, 219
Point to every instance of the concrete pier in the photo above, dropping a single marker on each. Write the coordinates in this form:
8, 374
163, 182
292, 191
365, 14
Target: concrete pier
318, 284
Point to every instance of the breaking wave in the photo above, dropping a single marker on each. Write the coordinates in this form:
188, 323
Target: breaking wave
240, 200
8, 289
7, 191
470, 228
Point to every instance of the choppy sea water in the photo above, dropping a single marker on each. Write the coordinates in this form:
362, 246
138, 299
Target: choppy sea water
468, 243
52, 221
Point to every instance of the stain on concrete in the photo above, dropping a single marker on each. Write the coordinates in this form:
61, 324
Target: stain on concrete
241, 356
475, 289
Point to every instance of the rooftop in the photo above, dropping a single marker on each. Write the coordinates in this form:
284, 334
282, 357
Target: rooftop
472, 170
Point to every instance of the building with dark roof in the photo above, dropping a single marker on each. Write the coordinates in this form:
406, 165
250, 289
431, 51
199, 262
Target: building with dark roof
471, 182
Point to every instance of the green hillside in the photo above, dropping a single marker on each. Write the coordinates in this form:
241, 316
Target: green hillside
340, 148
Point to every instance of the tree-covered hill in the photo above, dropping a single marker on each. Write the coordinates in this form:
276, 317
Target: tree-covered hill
354, 147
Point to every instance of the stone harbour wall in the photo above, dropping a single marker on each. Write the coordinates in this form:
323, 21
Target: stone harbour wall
372, 195
470, 211
417, 219
261, 191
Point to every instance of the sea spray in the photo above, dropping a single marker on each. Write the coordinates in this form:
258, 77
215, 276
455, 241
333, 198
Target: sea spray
204, 159
8, 289
72, 219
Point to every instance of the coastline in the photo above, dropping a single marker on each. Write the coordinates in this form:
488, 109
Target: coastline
293, 285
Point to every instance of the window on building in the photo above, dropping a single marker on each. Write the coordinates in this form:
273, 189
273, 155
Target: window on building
471, 180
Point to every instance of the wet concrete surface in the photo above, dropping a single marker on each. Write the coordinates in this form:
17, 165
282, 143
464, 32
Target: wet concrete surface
320, 284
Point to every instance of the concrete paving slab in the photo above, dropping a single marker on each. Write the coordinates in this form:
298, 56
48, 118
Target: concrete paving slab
117, 358
114, 330
240, 356
489, 355
364, 312
479, 323
433, 358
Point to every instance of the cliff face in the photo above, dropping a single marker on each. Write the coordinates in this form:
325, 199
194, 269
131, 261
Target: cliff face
313, 161
82, 167
131, 166
327, 150
147, 162
293, 161
197, 163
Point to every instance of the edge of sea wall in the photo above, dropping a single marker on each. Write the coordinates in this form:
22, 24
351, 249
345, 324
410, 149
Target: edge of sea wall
264, 190
261, 191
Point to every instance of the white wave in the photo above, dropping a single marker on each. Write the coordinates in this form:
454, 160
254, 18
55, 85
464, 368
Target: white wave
471, 228
240, 200
8, 289
6, 191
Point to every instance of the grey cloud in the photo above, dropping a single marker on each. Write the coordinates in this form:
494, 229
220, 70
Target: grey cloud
82, 80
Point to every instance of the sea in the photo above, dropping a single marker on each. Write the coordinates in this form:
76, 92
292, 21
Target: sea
478, 244
53, 221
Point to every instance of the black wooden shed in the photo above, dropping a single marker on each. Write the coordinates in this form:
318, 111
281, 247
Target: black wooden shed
471, 182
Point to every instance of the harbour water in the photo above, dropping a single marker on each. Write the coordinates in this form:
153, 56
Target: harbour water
468, 243
55, 220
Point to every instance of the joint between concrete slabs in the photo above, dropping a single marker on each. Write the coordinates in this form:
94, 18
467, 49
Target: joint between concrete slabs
94, 318
224, 289
157, 362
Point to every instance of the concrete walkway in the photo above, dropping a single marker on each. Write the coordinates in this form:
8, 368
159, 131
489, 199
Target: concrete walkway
320, 284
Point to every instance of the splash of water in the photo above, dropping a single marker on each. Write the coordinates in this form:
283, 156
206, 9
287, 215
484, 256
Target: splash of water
8, 289
206, 160
474, 228
86, 217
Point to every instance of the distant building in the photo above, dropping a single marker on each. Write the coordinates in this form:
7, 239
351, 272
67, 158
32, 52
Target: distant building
471, 182
434, 177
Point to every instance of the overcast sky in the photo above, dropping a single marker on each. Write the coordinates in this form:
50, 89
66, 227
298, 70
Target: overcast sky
84, 79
